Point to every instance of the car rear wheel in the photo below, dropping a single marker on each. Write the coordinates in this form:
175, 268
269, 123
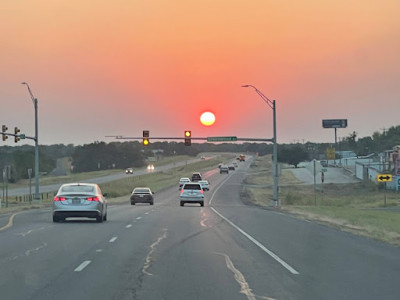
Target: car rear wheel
105, 217
182, 203
132, 203
201, 203
55, 219
99, 219
151, 203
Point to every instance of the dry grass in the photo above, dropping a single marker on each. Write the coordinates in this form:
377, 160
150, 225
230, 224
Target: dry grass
355, 207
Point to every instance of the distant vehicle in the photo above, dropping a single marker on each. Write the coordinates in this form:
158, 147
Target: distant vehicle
192, 192
82, 200
142, 195
182, 181
204, 185
196, 176
202, 157
224, 169
231, 167
235, 164
129, 171
150, 167
324, 163
219, 165
242, 157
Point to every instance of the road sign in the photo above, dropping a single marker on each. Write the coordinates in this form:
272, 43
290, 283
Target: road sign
334, 123
22, 136
384, 177
222, 139
324, 170
330, 153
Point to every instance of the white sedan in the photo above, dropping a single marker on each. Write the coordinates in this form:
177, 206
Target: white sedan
204, 185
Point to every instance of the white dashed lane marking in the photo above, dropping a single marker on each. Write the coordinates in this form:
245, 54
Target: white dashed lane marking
128, 226
82, 266
113, 239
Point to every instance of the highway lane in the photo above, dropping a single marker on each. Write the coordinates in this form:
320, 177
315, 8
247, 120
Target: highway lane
170, 252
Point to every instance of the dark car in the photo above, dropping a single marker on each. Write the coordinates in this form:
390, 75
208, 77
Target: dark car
196, 176
142, 195
224, 169
83, 200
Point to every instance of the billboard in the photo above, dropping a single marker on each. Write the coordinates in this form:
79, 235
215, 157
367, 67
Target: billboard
334, 123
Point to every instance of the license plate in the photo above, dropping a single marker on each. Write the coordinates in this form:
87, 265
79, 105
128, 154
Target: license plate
76, 201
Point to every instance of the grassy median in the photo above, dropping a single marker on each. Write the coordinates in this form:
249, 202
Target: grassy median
355, 207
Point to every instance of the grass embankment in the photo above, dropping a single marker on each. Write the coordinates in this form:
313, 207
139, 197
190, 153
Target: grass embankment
118, 191
158, 180
355, 207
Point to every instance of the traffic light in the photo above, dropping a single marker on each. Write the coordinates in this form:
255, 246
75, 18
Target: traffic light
4, 128
188, 135
146, 135
16, 137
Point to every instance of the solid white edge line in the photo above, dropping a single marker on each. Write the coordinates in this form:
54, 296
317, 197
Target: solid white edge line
82, 265
216, 190
261, 246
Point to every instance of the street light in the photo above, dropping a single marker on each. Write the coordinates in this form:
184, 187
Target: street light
35, 104
275, 147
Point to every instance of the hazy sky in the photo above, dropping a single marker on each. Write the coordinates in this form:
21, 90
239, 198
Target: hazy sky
104, 67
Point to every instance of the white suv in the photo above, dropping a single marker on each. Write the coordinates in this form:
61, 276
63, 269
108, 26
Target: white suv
192, 192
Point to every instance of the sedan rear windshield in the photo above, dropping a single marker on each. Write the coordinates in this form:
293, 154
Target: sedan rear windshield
192, 187
78, 189
141, 191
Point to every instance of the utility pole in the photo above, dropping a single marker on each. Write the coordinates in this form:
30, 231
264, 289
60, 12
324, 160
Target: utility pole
35, 104
275, 174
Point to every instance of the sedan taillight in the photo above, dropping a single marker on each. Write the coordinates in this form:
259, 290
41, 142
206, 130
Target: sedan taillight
201, 191
93, 199
59, 198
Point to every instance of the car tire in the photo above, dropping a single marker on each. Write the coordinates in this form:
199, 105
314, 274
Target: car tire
99, 219
201, 203
182, 203
105, 217
132, 203
55, 219
151, 203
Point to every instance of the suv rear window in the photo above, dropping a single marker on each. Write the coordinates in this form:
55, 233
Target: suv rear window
190, 186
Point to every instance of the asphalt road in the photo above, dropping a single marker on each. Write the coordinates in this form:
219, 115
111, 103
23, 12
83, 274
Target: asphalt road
224, 250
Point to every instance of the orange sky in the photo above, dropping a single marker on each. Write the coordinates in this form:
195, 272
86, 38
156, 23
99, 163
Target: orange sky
117, 67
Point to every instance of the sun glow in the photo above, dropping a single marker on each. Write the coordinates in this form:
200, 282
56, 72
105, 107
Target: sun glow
207, 118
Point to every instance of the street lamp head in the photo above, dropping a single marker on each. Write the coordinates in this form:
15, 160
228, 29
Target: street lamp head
246, 85
23, 82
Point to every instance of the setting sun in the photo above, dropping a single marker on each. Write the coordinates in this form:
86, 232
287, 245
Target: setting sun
207, 119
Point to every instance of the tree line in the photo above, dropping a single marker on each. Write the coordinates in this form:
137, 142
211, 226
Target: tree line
120, 155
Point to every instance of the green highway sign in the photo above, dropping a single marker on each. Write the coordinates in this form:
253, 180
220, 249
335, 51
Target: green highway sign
324, 170
222, 139
22, 136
